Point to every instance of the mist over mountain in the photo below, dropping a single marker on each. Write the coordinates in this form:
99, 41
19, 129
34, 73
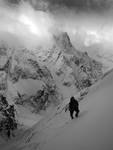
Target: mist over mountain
51, 50
61, 39
54, 70
37, 25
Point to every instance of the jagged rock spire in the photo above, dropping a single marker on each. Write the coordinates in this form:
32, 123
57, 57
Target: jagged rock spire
63, 41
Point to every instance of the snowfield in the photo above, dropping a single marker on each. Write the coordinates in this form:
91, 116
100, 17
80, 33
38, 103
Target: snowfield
93, 130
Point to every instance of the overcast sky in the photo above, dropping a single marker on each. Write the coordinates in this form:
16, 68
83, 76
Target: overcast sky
35, 21
100, 5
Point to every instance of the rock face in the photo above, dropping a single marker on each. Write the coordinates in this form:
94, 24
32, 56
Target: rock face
23, 66
60, 66
29, 68
73, 66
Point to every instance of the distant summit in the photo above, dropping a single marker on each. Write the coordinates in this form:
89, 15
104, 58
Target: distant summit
62, 40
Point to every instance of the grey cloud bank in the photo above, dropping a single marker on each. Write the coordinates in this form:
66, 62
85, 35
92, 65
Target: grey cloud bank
33, 22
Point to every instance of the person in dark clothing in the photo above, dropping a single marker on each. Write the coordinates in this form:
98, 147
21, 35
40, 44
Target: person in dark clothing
73, 106
8, 133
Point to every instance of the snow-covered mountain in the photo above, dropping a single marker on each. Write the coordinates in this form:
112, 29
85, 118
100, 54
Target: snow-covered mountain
36, 79
71, 65
92, 130
61, 59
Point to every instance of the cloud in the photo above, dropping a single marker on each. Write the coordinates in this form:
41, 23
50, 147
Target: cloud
78, 5
23, 22
32, 23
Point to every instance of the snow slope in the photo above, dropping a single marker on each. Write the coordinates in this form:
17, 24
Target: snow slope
93, 130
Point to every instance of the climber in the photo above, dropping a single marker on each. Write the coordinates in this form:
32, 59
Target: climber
73, 106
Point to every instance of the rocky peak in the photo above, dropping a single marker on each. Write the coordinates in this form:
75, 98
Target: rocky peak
63, 41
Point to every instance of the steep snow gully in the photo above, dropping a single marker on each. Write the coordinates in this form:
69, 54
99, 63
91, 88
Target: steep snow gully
93, 130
